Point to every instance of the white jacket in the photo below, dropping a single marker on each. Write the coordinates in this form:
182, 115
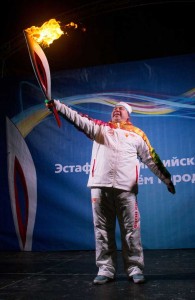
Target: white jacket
116, 153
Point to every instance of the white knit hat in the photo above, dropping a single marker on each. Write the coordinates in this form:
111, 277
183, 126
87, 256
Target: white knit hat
126, 106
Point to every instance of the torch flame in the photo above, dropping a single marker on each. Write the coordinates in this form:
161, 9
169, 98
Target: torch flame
47, 33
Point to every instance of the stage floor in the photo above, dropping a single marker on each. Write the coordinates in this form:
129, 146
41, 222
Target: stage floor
170, 275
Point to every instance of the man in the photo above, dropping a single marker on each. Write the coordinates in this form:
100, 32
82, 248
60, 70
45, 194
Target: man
117, 148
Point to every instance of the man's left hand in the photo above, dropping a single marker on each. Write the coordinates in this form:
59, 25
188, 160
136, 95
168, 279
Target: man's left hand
171, 188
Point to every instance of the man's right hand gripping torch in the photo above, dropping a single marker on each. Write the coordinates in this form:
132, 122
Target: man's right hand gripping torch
51, 106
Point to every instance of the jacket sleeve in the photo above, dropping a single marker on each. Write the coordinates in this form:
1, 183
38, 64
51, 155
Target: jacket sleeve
152, 160
82, 122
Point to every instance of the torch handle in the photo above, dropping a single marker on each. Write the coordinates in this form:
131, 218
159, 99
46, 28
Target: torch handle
55, 113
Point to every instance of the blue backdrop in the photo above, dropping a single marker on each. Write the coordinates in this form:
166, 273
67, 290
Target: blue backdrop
45, 204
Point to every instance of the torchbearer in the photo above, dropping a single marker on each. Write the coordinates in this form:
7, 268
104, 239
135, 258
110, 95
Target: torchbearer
114, 176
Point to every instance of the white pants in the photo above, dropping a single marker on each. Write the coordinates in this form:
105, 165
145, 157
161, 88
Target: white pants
107, 205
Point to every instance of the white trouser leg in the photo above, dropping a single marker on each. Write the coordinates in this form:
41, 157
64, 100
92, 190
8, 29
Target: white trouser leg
129, 221
104, 218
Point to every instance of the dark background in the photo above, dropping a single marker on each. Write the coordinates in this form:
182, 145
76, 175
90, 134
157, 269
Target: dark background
116, 31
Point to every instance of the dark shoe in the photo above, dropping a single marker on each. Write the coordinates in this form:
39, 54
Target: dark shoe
100, 279
138, 278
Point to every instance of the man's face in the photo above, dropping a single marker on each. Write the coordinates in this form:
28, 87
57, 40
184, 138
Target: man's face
119, 114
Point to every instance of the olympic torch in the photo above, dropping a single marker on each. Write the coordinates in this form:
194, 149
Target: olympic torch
45, 35
41, 65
